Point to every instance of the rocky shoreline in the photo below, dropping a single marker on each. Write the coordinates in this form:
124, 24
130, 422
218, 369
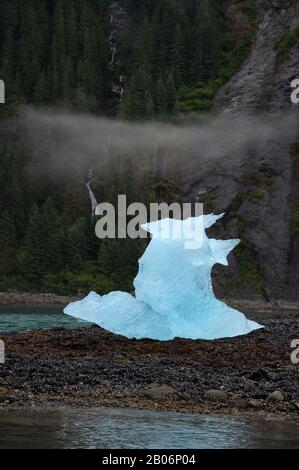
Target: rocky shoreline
36, 299
90, 367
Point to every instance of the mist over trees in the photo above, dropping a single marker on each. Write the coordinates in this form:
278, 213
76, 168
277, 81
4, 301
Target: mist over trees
174, 54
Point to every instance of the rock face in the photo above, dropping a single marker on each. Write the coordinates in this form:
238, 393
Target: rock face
218, 395
156, 391
3, 391
258, 187
263, 83
276, 396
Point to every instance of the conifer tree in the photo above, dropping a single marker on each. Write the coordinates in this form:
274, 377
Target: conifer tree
53, 238
135, 102
161, 102
42, 90
34, 264
170, 95
149, 106
8, 244
177, 57
67, 79
54, 51
206, 45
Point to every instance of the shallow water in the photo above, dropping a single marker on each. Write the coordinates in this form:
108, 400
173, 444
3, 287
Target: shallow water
20, 319
114, 429
129, 429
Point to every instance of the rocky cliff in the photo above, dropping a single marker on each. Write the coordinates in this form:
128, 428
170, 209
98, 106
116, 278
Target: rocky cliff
258, 189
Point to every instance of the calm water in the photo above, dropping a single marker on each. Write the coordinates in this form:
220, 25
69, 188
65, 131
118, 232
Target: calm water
127, 429
104, 428
18, 319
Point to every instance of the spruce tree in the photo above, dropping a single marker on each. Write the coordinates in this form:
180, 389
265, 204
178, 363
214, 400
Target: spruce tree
206, 51
42, 90
170, 95
53, 237
177, 57
34, 263
67, 79
8, 244
136, 98
149, 106
160, 97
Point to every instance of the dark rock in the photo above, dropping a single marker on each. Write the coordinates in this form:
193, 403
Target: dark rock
276, 396
4, 391
216, 394
40, 365
254, 403
261, 84
259, 375
156, 391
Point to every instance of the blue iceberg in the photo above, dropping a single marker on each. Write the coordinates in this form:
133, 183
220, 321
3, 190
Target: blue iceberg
173, 289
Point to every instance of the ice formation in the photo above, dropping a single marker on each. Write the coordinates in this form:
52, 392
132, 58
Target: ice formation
173, 290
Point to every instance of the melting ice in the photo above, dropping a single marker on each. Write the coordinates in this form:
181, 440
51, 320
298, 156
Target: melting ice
173, 289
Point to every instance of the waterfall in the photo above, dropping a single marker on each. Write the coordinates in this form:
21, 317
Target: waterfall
117, 18
113, 54
92, 197
121, 81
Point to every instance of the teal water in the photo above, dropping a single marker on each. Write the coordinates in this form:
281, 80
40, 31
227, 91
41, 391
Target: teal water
20, 319
129, 429
112, 429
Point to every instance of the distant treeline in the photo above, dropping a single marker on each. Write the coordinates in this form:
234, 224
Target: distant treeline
174, 54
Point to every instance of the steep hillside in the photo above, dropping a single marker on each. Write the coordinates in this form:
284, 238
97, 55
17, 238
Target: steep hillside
219, 70
260, 191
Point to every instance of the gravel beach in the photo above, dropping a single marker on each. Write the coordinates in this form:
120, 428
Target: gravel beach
90, 367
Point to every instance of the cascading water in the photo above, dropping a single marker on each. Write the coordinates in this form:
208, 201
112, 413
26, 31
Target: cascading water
92, 197
121, 81
116, 20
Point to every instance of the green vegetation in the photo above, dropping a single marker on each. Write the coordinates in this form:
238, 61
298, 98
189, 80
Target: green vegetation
295, 150
249, 8
173, 54
295, 220
48, 51
249, 276
198, 98
256, 194
286, 42
53, 246
248, 264
196, 52
259, 179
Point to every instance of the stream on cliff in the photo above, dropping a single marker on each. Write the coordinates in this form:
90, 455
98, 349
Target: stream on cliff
91, 194
117, 18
